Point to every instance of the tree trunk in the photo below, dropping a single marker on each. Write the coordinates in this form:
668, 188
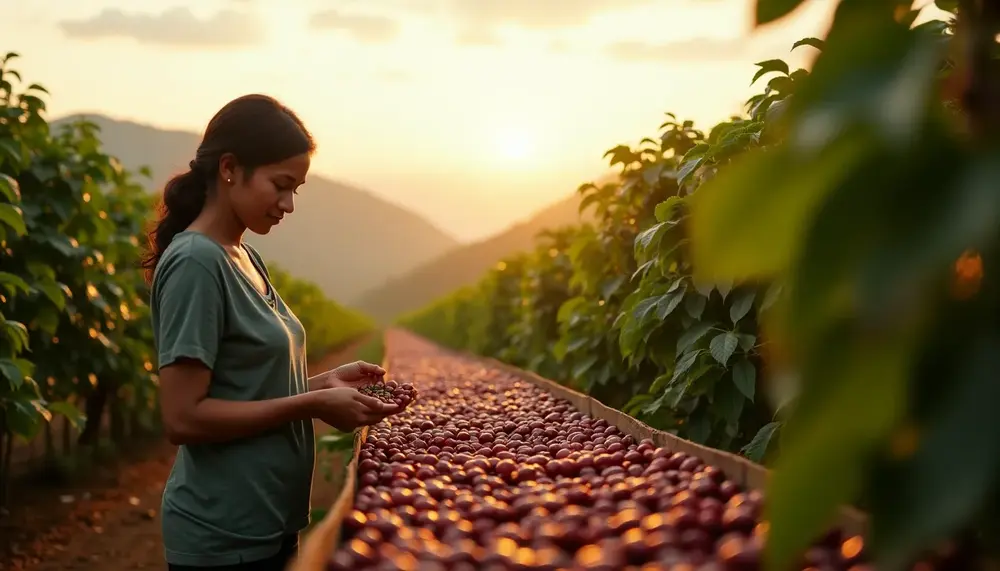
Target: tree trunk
94, 409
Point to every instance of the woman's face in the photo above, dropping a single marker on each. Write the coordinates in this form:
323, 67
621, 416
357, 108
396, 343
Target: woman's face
263, 199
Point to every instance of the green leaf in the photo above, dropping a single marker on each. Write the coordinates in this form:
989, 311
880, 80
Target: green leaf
695, 305
729, 402
643, 308
583, 366
12, 372
929, 498
722, 346
46, 319
757, 448
9, 151
700, 427
9, 188
611, 286
768, 11
73, 414
687, 167
24, 417
684, 364
669, 302
934, 229
11, 216
814, 42
855, 396
704, 287
745, 377
659, 383
899, 62
641, 270
724, 287
636, 402
665, 210
772, 295
13, 283
16, 333
770, 66
336, 441
650, 236
693, 334
741, 305
747, 341
947, 5
747, 221
52, 290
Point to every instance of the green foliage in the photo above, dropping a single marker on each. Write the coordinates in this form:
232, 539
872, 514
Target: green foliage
327, 323
820, 271
879, 210
612, 307
72, 307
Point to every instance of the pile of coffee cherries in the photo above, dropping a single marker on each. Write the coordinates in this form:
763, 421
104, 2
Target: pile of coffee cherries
489, 472
391, 392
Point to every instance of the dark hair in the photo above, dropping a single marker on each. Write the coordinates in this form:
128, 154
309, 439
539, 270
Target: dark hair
256, 129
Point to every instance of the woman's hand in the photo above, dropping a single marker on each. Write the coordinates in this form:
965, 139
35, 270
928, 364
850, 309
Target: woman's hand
351, 375
345, 408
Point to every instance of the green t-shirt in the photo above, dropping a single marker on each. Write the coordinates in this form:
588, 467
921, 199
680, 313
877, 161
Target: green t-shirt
232, 502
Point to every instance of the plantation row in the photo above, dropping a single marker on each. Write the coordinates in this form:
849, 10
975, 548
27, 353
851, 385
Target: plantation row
486, 469
808, 284
75, 335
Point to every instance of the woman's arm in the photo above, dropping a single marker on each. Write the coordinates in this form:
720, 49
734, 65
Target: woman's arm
189, 417
321, 381
356, 374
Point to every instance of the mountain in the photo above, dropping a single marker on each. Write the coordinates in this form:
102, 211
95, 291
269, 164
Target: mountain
345, 239
462, 266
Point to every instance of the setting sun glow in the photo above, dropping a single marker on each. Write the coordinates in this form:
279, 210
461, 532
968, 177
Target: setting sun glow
514, 145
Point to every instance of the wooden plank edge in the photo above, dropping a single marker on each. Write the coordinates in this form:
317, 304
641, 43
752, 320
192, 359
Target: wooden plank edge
319, 545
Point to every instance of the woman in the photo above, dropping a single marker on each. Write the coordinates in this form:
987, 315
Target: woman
232, 363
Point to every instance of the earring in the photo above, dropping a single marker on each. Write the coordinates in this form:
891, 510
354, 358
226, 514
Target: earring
229, 181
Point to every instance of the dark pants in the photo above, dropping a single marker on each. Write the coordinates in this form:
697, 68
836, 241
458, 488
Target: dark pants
278, 562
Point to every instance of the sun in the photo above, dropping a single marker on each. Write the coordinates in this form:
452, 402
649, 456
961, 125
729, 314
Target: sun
514, 144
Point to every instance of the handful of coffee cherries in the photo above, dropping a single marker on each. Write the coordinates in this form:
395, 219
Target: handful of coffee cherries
391, 392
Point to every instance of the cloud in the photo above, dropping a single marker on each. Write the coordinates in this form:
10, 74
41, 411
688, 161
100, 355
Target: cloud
536, 14
365, 28
173, 27
700, 49
697, 49
478, 21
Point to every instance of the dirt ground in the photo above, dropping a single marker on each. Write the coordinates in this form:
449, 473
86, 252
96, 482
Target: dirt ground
110, 522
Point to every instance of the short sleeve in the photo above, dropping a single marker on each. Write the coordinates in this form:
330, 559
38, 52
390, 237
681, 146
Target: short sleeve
190, 312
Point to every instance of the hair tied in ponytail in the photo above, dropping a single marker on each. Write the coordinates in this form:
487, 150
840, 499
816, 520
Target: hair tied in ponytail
196, 170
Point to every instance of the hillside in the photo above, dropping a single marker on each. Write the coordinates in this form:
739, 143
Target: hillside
463, 265
337, 236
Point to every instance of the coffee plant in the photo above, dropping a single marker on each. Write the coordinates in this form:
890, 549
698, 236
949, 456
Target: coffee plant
808, 283
75, 334
612, 308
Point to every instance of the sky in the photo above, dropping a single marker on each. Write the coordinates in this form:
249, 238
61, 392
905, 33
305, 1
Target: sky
472, 113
